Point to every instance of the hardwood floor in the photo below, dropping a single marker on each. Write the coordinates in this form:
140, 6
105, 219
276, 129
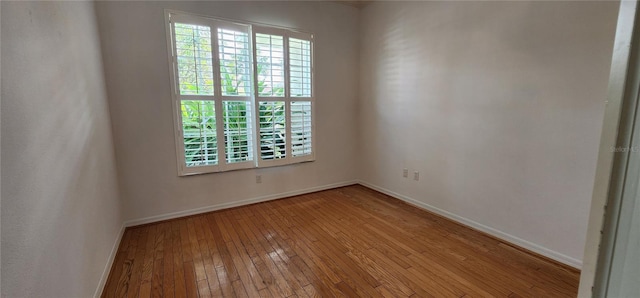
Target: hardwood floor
350, 241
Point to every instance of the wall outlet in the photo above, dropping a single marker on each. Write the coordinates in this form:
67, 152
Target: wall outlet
416, 176
258, 178
405, 173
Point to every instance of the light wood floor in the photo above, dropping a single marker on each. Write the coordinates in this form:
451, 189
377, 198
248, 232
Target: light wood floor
349, 241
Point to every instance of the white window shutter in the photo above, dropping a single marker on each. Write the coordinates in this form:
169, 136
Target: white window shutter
242, 100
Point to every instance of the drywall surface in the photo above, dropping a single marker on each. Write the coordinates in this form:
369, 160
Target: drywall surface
498, 105
137, 75
61, 212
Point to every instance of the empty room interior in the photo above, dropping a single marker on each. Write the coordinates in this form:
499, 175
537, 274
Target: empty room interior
319, 149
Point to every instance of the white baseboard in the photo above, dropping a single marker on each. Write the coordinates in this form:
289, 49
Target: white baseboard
475, 225
554, 255
172, 215
183, 213
110, 260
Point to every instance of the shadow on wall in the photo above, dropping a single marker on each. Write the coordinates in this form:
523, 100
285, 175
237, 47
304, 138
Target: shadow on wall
61, 210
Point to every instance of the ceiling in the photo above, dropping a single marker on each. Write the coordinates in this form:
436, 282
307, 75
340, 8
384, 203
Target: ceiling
355, 3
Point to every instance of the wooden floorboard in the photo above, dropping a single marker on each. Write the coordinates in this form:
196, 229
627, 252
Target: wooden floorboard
345, 242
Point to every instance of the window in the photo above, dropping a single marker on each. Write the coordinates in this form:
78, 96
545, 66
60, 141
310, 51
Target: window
243, 94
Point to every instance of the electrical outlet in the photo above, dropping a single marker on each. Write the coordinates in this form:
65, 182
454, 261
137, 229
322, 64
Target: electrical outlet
416, 176
258, 178
405, 173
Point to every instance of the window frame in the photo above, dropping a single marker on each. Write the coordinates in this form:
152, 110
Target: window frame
287, 98
214, 23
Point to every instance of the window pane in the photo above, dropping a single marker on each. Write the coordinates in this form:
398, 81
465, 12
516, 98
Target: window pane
199, 133
301, 128
299, 67
272, 130
270, 64
237, 131
235, 62
195, 66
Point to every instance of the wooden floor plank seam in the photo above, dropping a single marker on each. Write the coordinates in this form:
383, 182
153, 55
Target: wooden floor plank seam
345, 242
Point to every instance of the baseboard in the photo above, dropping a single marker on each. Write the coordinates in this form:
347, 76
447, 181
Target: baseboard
110, 260
548, 253
172, 215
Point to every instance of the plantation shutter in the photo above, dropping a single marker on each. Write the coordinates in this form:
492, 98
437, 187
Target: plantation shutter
212, 75
300, 67
283, 72
301, 128
300, 78
235, 83
270, 95
243, 95
193, 64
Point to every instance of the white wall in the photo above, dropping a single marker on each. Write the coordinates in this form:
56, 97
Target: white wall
61, 212
498, 105
137, 74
